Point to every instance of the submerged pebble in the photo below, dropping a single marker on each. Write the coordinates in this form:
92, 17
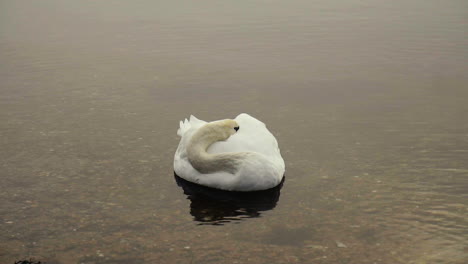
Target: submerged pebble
340, 245
320, 247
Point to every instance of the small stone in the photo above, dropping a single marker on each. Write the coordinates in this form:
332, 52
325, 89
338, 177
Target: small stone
187, 247
9, 222
316, 247
340, 245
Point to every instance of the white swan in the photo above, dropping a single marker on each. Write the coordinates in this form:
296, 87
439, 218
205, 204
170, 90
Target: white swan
233, 154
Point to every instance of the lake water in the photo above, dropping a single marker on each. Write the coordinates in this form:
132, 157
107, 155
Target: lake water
368, 101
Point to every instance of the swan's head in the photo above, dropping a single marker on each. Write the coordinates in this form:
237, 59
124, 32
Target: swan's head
225, 128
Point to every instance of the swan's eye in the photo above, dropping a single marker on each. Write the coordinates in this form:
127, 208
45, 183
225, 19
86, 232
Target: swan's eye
236, 128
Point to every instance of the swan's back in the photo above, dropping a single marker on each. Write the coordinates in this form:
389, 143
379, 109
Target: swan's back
253, 136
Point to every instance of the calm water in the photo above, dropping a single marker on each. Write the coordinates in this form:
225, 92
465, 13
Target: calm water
368, 100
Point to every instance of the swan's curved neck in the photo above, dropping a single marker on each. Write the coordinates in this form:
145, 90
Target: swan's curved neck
205, 162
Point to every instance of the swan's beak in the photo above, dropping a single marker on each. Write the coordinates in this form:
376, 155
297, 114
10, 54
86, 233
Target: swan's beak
236, 128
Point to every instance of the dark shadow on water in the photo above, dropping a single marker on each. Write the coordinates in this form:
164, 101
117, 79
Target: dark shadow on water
216, 207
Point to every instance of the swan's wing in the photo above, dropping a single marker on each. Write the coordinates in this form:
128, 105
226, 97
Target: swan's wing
191, 124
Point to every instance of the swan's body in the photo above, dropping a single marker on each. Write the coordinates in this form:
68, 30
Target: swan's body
233, 155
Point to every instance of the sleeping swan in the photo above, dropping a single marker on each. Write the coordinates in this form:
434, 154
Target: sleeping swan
232, 154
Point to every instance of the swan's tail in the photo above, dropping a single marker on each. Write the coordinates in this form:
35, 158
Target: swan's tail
186, 125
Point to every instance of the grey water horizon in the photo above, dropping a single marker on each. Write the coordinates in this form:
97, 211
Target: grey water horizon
368, 101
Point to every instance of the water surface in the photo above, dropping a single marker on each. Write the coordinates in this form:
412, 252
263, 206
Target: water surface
368, 100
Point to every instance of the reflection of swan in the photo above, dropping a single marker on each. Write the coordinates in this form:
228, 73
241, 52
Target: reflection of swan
215, 207
233, 155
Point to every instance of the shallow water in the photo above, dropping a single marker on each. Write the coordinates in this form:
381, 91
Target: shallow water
368, 100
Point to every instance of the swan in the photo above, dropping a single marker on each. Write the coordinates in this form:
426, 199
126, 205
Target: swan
232, 154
